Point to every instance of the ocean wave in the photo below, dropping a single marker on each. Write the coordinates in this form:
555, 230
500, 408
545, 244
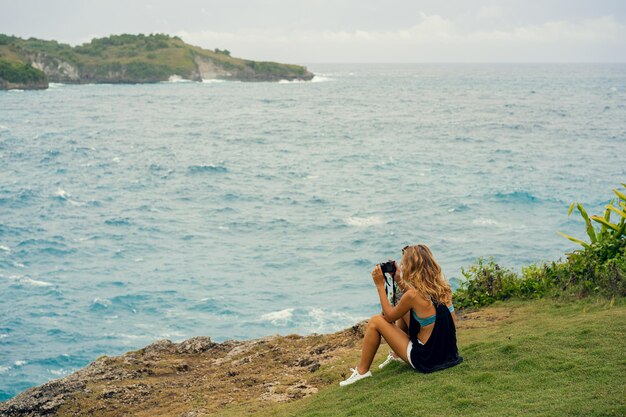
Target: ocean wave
26, 280
19, 199
317, 200
174, 78
3, 369
5, 248
459, 208
485, 222
363, 221
280, 317
35, 282
311, 320
214, 305
210, 169
125, 221
63, 195
100, 303
320, 79
212, 81
516, 197
60, 372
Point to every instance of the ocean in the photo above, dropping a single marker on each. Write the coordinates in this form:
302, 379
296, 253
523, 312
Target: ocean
132, 213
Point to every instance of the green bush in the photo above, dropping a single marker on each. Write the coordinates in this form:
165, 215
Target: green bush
16, 72
148, 71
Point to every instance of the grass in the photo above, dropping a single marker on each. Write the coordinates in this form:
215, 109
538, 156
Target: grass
539, 358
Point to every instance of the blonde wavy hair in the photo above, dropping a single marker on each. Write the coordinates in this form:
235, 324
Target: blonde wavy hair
421, 271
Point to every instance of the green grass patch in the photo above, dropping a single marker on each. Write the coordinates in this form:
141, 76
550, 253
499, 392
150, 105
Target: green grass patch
539, 358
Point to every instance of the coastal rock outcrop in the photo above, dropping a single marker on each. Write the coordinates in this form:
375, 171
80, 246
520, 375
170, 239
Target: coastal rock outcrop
117, 59
196, 377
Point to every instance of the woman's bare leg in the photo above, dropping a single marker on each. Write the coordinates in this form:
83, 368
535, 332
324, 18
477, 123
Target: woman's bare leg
395, 337
401, 323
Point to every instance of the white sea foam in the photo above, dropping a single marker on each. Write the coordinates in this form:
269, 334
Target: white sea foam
174, 78
291, 81
320, 79
101, 301
315, 79
278, 317
62, 193
481, 221
5, 248
363, 221
322, 321
35, 283
212, 80
16, 90
3, 335
3, 369
59, 372
20, 363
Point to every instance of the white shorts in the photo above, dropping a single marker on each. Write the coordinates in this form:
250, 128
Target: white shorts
409, 348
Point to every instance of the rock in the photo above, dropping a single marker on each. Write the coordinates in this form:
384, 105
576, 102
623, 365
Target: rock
158, 347
195, 345
163, 375
183, 367
43, 400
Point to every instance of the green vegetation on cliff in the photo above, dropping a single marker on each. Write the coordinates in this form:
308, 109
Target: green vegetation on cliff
134, 59
18, 72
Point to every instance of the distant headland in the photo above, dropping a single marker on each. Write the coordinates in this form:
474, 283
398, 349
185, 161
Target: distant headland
128, 59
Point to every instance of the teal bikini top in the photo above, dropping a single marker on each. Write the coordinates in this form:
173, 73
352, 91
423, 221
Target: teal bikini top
430, 319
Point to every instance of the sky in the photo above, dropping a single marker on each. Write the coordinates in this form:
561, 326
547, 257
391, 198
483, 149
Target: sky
346, 31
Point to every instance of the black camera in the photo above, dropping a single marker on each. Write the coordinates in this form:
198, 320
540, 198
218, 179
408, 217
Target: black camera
388, 267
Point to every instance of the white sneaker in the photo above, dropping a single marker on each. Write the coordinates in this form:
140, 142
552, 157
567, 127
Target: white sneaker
389, 359
354, 377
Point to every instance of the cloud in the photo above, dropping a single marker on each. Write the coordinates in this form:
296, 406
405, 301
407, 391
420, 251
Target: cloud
433, 39
489, 12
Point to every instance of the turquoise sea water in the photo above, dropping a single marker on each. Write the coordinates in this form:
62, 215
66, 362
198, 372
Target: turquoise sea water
131, 213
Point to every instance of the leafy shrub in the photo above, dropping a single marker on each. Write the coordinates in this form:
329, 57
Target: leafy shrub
146, 71
16, 72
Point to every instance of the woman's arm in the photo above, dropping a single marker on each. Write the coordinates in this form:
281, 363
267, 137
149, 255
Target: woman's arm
391, 313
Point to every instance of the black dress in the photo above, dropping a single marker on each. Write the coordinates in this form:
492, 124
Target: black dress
440, 351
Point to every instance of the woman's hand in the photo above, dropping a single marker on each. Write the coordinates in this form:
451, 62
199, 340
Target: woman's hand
377, 276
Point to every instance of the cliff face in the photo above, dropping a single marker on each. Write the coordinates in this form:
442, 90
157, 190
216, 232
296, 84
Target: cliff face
134, 59
193, 378
57, 70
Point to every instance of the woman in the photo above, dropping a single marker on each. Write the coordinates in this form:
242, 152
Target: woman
426, 307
